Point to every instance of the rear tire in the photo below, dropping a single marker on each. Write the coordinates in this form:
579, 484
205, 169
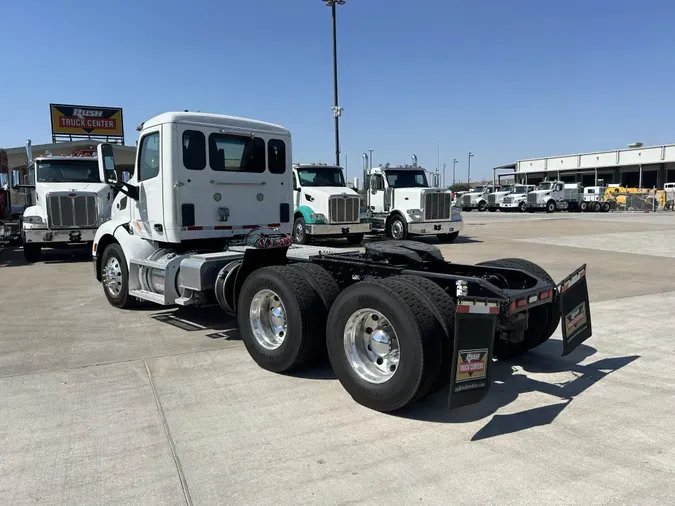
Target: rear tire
281, 318
365, 371
605, 207
596, 207
583, 207
543, 320
32, 252
446, 238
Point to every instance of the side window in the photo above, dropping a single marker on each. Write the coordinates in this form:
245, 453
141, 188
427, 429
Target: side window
194, 150
148, 157
377, 182
559, 188
276, 156
236, 153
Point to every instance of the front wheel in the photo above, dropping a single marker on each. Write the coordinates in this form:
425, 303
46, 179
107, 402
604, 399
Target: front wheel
522, 207
397, 228
115, 277
448, 237
300, 235
482, 207
550, 206
32, 252
355, 238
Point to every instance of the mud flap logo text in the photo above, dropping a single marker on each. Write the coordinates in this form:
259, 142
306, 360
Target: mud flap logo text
575, 320
471, 365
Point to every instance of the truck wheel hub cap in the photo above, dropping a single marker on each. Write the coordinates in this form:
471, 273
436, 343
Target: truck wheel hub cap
397, 229
267, 317
371, 346
112, 276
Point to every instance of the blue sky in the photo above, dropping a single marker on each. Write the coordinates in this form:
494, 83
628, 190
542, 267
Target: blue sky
504, 79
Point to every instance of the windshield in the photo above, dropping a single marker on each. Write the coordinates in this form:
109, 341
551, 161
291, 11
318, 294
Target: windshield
68, 171
321, 176
477, 189
544, 186
519, 189
406, 179
505, 188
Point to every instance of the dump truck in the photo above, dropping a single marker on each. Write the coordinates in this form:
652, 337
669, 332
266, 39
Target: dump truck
206, 220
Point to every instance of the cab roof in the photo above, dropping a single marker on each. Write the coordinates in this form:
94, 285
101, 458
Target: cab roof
214, 120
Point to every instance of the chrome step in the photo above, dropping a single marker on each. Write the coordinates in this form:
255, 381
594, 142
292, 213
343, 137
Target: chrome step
157, 298
148, 263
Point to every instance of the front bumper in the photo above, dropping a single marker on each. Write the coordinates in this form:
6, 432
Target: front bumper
435, 227
510, 205
342, 229
46, 236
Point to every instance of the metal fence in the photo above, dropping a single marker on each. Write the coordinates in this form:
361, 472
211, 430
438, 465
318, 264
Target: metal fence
643, 201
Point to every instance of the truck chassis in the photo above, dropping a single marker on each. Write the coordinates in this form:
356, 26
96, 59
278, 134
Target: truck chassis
397, 321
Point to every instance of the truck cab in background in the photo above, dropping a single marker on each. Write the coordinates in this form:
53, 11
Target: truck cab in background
324, 206
70, 200
401, 203
555, 195
594, 199
495, 198
477, 198
516, 200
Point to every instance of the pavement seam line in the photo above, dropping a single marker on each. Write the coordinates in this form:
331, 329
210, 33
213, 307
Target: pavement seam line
172, 445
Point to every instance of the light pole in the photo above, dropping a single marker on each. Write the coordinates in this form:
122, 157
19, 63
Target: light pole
454, 163
337, 110
469, 175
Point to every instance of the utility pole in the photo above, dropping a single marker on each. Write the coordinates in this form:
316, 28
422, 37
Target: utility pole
469, 172
454, 164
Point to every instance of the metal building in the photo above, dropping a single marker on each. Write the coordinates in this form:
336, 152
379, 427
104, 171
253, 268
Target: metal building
643, 167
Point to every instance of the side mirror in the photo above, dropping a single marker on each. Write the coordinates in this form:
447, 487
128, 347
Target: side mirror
16, 178
106, 163
126, 176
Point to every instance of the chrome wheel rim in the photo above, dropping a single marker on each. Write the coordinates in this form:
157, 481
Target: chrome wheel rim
267, 317
397, 229
112, 276
299, 232
371, 346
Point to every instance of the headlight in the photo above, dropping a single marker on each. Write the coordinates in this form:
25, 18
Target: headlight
36, 220
454, 210
317, 217
414, 213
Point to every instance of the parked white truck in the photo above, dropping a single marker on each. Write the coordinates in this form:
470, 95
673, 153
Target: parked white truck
396, 321
594, 199
494, 199
554, 196
324, 205
477, 198
517, 199
401, 203
69, 202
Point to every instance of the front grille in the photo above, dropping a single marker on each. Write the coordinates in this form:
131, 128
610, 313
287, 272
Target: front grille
437, 206
508, 200
531, 198
72, 212
466, 200
344, 209
492, 199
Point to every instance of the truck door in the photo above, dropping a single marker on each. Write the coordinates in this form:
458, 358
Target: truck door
377, 191
148, 209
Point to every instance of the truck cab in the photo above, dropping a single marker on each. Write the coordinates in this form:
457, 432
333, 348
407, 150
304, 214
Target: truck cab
70, 200
477, 198
495, 198
324, 206
555, 195
401, 203
516, 199
594, 199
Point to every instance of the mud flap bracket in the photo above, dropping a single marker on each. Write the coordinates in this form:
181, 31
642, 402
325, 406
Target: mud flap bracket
475, 327
575, 313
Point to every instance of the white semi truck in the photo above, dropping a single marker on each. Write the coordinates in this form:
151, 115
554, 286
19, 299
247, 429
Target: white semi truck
206, 219
517, 199
554, 196
494, 199
401, 203
477, 198
594, 199
69, 202
324, 205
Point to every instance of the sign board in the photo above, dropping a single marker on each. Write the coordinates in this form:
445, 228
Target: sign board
78, 121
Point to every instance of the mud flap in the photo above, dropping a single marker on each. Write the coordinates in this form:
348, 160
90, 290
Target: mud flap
475, 326
575, 312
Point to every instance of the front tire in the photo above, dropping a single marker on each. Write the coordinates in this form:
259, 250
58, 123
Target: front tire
281, 318
550, 206
32, 252
115, 277
382, 342
482, 206
355, 238
447, 238
397, 228
522, 207
300, 235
